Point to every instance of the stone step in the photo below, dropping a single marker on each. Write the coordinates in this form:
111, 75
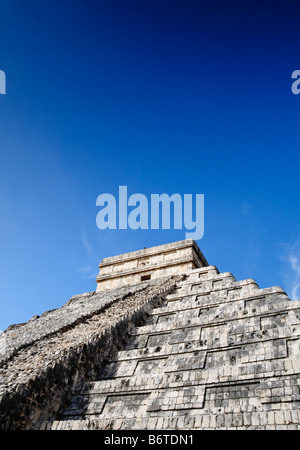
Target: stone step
213, 342
161, 399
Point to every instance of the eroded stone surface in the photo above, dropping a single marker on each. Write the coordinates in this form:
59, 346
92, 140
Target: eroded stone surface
163, 260
48, 356
199, 351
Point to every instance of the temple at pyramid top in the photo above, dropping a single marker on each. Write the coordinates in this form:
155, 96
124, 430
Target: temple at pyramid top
149, 263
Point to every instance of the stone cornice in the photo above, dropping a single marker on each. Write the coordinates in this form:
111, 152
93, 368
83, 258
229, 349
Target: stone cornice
167, 248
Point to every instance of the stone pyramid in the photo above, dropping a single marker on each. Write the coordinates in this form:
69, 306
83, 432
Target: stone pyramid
169, 343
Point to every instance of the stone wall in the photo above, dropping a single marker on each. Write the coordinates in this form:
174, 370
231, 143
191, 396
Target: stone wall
164, 260
48, 356
196, 351
216, 354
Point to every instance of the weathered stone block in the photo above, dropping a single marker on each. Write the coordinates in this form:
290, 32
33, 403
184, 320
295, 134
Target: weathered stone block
199, 351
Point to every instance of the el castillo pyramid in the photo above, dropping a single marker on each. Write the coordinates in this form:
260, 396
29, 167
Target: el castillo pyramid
165, 343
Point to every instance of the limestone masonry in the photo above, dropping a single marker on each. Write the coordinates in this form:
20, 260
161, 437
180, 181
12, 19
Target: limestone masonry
156, 262
167, 342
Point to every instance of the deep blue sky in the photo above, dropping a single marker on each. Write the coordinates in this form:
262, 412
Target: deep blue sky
163, 96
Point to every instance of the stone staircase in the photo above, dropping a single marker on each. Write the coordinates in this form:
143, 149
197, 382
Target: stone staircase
217, 353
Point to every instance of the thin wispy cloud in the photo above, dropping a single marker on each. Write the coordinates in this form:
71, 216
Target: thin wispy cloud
246, 209
251, 227
294, 261
291, 257
86, 244
84, 269
89, 270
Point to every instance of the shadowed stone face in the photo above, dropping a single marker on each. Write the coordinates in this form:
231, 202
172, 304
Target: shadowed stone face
196, 351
